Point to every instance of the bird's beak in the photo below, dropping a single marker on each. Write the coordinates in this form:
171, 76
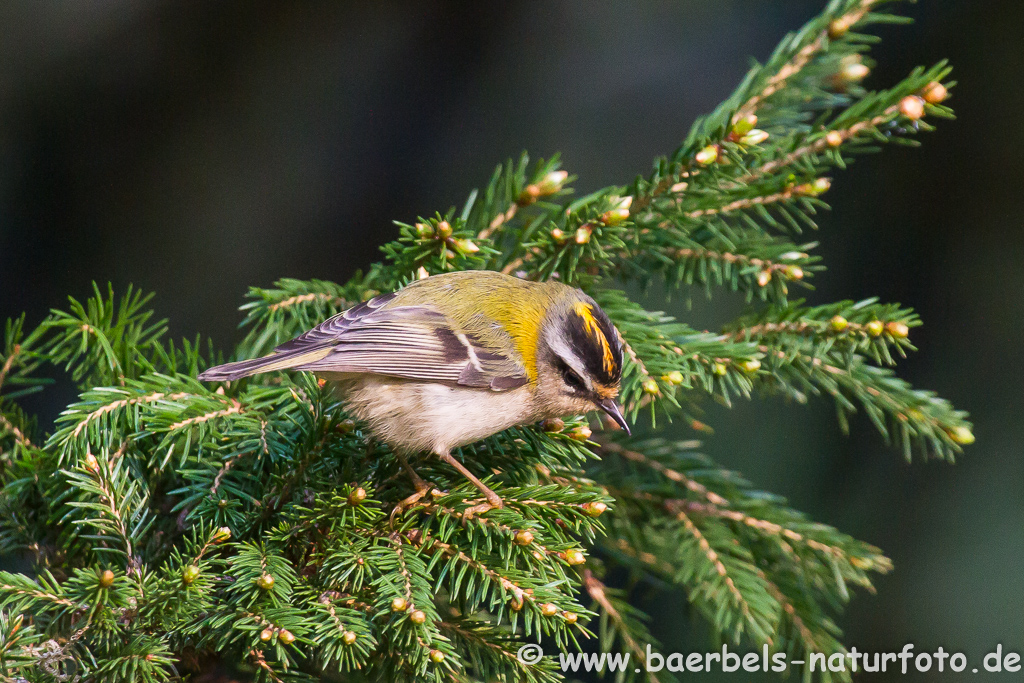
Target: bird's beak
612, 408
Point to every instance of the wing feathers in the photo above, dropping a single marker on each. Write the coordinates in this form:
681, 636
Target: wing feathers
414, 342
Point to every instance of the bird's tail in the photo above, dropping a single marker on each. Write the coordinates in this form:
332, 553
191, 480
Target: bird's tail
254, 366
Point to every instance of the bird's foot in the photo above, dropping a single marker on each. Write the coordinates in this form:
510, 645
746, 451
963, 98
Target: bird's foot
422, 489
493, 503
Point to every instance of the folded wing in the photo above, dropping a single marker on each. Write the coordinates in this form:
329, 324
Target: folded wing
411, 342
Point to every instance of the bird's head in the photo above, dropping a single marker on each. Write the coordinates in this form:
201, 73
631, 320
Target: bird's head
579, 359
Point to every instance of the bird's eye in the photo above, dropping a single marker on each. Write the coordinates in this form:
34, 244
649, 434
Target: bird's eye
570, 377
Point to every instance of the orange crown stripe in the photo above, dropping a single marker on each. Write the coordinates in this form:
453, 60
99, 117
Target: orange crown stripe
586, 312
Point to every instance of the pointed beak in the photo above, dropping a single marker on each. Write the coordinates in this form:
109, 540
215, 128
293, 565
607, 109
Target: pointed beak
612, 408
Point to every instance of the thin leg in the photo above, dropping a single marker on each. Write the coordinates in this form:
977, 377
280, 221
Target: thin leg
422, 487
493, 500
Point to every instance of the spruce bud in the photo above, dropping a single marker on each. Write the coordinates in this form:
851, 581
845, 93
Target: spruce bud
583, 233
523, 537
443, 230
763, 278
574, 557
751, 365
222, 534
189, 574
348, 637
854, 70
286, 636
552, 182
898, 330
581, 433
719, 369
754, 137
934, 93
466, 246
417, 617
399, 605
743, 124
265, 582
594, 508
423, 231
553, 424
875, 327
839, 323
675, 377
558, 236
91, 463
794, 272
106, 579
834, 138
651, 387
961, 435
548, 609
357, 496
266, 634
422, 273
436, 656
570, 617
912, 107
706, 156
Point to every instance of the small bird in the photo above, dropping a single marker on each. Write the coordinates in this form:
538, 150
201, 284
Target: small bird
454, 358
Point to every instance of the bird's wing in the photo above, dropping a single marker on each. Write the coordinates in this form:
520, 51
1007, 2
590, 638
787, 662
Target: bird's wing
413, 342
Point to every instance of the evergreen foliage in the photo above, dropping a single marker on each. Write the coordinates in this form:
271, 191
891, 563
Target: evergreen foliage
170, 522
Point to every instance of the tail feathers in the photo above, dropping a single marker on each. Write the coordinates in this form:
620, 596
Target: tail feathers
254, 366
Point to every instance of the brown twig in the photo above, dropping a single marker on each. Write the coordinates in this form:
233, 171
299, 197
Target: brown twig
667, 472
598, 591
302, 298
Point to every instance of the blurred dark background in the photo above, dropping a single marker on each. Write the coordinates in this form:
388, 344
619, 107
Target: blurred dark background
196, 148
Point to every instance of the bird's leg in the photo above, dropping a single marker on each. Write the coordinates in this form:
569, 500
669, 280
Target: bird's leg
421, 486
493, 500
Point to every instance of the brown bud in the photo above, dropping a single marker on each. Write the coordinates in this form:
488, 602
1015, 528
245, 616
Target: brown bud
523, 537
934, 93
581, 433
575, 557
651, 387
515, 604
553, 424
443, 230
266, 634
912, 107
583, 233
834, 138
854, 70
345, 427
875, 327
423, 230
594, 508
91, 463
417, 617
764, 277
552, 182
106, 579
348, 637
794, 272
838, 27
528, 196
286, 636
570, 617
751, 365
436, 656
399, 605
357, 496
466, 246
422, 273
548, 610
558, 236
265, 582
222, 534
898, 330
